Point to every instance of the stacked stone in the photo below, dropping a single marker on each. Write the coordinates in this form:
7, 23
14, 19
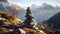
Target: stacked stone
29, 18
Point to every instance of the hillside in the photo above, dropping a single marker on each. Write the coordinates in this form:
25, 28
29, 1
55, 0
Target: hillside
55, 20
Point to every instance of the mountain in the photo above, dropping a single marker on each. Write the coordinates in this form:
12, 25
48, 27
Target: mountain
3, 0
5, 7
44, 11
40, 13
55, 20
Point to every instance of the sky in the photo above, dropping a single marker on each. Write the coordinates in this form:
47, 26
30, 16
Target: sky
26, 3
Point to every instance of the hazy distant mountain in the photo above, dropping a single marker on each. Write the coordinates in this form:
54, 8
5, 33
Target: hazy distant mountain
55, 20
40, 13
3, 0
5, 7
2, 7
44, 12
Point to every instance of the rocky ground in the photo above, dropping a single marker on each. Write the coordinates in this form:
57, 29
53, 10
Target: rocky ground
10, 24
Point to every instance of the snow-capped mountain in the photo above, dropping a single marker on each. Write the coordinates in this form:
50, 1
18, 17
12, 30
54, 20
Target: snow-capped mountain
44, 12
40, 13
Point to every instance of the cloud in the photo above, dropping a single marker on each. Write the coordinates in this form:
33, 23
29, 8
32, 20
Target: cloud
17, 3
58, 4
